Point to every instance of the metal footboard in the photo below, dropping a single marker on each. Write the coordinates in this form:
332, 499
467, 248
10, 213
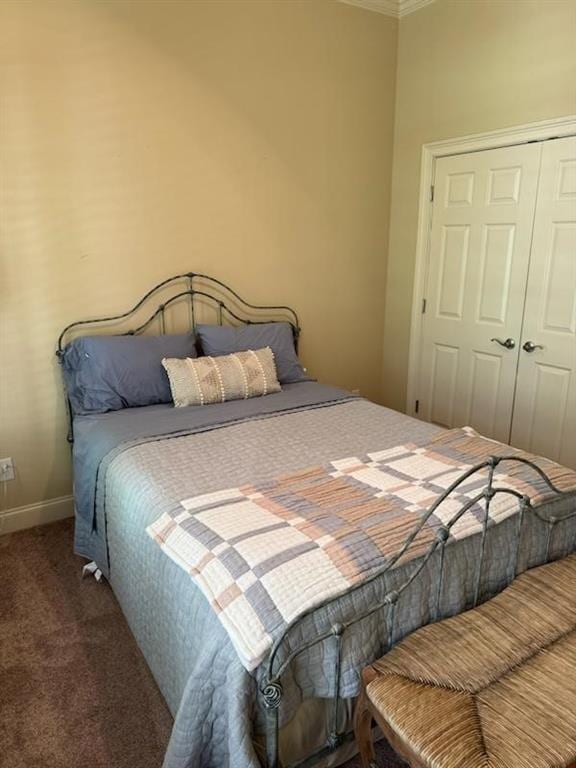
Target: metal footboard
282, 654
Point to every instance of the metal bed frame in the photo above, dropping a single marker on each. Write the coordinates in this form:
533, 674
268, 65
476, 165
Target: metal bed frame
192, 287
283, 652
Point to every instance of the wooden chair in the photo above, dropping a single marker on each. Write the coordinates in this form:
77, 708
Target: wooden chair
491, 688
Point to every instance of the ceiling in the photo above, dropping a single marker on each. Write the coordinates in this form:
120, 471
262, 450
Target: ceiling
396, 8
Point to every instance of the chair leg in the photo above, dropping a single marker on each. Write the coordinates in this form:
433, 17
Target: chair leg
363, 723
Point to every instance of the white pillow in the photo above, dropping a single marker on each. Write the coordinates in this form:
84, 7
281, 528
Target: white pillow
205, 380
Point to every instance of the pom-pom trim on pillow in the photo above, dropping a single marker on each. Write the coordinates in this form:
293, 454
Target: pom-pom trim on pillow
208, 380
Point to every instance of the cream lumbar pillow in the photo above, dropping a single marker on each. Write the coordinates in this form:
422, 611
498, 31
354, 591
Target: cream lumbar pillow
205, 380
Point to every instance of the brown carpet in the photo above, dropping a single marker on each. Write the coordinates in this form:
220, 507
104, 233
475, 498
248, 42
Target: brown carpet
75, 691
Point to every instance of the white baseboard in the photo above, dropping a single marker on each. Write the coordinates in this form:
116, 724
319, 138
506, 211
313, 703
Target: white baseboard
42, 512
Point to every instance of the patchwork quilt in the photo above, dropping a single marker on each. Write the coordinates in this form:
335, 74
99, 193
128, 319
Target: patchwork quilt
262, 554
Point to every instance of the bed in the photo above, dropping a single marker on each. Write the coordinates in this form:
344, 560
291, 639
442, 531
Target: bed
133, 465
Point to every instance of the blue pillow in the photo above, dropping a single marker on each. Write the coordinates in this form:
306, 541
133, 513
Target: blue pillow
219, 340
107, 373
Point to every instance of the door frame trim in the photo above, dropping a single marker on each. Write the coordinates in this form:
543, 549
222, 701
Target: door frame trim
543, 130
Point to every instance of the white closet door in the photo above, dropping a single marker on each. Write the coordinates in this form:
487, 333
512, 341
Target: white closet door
480, 247
545, 410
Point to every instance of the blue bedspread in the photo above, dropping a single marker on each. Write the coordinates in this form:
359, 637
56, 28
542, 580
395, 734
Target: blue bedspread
98, 439
132, 466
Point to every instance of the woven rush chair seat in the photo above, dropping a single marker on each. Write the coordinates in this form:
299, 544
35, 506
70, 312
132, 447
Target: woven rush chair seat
491, 688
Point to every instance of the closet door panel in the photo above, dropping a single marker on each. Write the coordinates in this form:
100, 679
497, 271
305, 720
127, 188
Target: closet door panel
480, 247
545, 409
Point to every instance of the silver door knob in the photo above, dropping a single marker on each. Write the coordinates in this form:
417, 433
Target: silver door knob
508, 343
529, 346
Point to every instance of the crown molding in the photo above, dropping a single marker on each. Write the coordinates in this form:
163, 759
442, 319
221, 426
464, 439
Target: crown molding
409, 6
395, 8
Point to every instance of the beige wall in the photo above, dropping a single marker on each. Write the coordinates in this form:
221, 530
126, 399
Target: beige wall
250, 140
465, 66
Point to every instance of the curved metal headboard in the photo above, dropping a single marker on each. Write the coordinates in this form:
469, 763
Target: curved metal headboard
191, 288
230, 306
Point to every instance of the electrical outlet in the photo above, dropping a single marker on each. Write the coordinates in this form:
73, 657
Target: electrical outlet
6, 470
